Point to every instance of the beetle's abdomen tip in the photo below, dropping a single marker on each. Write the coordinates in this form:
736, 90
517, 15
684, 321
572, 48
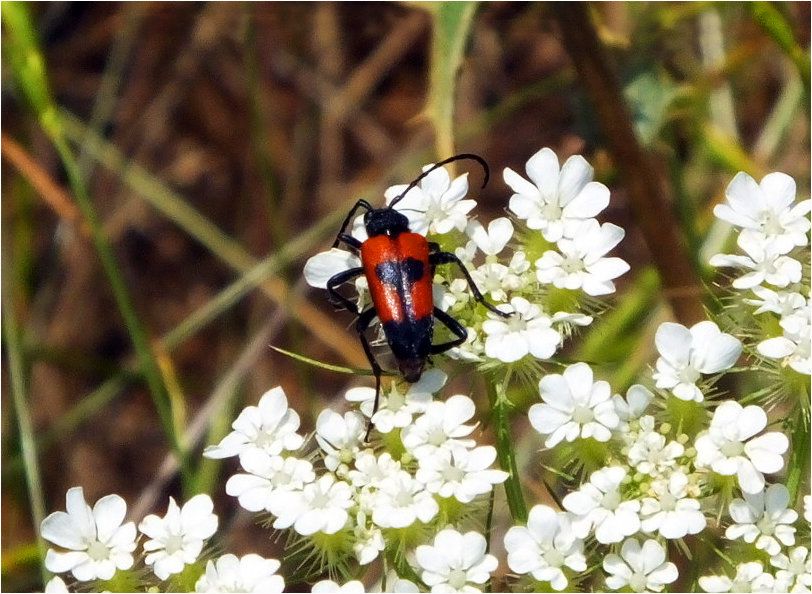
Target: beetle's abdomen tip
411, 369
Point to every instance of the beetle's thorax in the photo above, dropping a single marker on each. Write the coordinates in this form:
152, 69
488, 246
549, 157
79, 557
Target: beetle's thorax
385, 221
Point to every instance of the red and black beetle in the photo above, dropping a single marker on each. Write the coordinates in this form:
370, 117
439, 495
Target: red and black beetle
399, 268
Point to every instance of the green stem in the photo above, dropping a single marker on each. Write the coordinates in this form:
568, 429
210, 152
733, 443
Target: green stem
501, 407
799, 457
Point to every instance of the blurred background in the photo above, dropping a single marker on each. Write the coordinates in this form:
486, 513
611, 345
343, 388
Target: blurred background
217, 146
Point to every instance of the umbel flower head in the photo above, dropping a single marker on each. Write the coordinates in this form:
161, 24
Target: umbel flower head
97, 541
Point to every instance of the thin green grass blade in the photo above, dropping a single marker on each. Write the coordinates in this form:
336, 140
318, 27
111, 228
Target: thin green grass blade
33, 477
776, 26
322, 365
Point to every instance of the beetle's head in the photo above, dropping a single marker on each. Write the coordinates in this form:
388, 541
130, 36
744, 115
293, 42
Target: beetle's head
385, 221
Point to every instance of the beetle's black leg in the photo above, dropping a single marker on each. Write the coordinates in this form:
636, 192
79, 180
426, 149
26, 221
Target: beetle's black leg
349, 240
360, 204
361, 327
335, 281
456, 328
437, 257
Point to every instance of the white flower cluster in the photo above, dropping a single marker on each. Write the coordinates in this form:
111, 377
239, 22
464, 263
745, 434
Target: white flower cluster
773, 229
658, 485
97, 543
346, 487
556, 209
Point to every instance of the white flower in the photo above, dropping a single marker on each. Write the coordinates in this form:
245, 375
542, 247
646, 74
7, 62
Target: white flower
371, 469
250, 573
579, 262
324, 265
672, 512
808, 508
321, 506
454, 561
750, 577
55, 585
764, 261
764, 518
795, 571
557, 200
545, 546
369, 540
640, 568
451, 295
460, 472
527, 331
436, 204
598, 504
400, 500
396, 408
177, 539
574, 406
270, 427
441, 426
795, 345
650, 454
98, 543
729, 446
780, 302
267, 477
637, 400
339, 437
686, 354
494, 239
328, 586
766, 211
496, 280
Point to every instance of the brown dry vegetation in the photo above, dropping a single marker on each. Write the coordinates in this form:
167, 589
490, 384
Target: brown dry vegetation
265, 118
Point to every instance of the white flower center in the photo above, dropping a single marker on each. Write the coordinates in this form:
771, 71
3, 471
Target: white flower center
173, 544
769, 224
638, 582
436, 437
610, 500
731, 449
688, 375
265, 438
404, 499
396, 401
572, 265
281, 479
551, 212
452, 474
98, 551
320, 501
740, 586
457, 578
668, 502
554, 558
766, 526
582, 415
516, 323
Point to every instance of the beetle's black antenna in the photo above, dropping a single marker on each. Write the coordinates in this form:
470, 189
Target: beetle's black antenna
459, 157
